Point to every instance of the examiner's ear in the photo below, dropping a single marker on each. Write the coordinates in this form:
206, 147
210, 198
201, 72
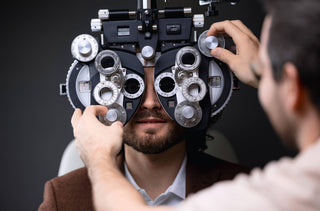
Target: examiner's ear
293, 91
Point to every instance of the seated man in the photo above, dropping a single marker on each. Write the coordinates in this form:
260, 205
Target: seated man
288, 77
160, 159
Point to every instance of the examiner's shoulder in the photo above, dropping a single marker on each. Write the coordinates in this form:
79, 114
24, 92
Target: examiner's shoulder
71, 191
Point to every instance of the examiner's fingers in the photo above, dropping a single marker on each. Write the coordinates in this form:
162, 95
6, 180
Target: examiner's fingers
117, 127
245, 29
117, 124
225, 27
76, 117
95, 110
223, 55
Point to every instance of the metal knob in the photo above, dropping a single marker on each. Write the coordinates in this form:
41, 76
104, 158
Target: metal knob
198, 20
104, 14
112, 115
187, 112
115, 113
211, 42
206, 44
96, 25
147, 52
84, 47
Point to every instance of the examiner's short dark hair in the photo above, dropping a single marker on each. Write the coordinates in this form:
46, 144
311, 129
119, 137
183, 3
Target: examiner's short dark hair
295, 37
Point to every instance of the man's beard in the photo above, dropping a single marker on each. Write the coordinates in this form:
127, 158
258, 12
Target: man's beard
150, 143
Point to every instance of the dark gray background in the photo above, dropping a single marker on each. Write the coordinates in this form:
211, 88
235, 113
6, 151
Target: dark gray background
35, 121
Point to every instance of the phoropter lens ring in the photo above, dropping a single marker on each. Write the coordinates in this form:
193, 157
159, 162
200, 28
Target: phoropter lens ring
188, 59
133, 86
105, 93
107, 62
84, 48
194, 89
115, 113
165, 85
188, 114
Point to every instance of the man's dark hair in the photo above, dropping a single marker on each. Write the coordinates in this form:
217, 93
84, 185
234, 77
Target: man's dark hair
295, 37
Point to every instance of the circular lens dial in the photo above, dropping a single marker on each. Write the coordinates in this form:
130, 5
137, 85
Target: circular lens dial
133, 87
165, 85
84, 48
105, 93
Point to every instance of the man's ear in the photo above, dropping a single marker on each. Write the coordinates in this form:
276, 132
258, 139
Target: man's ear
293, 91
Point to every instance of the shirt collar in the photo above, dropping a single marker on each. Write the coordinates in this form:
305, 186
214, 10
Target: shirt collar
177, 188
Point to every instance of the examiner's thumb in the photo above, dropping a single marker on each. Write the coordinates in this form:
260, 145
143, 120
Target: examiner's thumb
222, 54
117, 124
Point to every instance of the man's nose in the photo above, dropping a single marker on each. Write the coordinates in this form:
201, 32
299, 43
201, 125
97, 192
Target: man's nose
150, 100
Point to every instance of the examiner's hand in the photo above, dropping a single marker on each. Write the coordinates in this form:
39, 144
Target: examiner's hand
94, 140
247, 47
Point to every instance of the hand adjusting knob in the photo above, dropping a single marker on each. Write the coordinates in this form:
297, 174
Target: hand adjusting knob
211, 42
115, 113
112, 115
207, 43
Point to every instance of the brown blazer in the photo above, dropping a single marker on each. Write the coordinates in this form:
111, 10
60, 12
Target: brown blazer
73, 190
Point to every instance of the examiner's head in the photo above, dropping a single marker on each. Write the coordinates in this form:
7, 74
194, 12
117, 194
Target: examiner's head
290, 64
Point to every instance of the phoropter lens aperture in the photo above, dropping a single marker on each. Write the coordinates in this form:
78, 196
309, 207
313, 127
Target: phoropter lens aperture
132, 86
167, 84
107, 61
194, 89
188, 59
106, 93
